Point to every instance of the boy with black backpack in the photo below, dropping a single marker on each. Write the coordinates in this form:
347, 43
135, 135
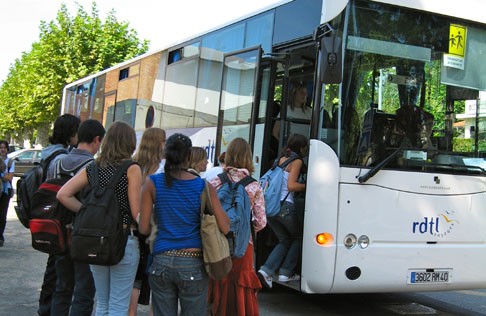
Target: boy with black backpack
64, 136
74, 279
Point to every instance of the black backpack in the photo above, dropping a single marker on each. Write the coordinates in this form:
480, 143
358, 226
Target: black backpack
98, 235
28, 184
50, 220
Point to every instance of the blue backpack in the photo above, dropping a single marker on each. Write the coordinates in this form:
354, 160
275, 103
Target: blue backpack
236, 203
271, 183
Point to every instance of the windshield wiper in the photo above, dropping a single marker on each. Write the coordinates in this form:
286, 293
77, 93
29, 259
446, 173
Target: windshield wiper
458, 167
481, 169
379, 166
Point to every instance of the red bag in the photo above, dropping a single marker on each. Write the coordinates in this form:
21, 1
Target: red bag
48, 226
48, 236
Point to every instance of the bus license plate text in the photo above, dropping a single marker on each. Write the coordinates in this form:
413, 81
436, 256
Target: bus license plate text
429, 277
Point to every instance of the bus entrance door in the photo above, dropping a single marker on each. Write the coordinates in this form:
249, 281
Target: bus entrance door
239, 103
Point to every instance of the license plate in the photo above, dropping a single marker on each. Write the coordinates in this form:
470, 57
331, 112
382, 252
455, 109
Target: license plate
429, 277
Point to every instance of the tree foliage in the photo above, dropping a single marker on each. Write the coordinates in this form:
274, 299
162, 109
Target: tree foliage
69, 48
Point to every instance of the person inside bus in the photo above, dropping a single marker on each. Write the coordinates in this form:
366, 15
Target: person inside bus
414, 126
287, 225
297, 109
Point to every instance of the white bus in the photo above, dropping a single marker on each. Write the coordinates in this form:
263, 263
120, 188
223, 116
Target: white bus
396, 181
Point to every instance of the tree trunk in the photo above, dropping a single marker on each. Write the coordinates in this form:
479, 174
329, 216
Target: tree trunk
43, 134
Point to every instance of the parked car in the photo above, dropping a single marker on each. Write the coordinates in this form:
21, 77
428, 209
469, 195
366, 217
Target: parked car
25, 159
12, 148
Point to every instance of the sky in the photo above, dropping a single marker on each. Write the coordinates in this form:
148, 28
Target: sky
163, 22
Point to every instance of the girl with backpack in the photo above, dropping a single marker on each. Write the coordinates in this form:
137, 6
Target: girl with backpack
113, 283
177, 270
236, 294
287, 224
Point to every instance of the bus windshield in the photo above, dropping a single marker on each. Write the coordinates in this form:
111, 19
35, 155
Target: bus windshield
412, 81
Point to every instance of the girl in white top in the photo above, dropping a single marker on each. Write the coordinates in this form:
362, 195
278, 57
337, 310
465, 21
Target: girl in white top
287, 224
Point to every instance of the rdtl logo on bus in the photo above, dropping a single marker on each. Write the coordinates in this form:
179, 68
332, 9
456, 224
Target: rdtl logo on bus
438, 226
429, 224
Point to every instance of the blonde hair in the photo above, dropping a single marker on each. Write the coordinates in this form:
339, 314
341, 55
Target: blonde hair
150, 151
239, 155
198, 154
118, 144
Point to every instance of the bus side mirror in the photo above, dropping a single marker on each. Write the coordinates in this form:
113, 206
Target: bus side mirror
331, 60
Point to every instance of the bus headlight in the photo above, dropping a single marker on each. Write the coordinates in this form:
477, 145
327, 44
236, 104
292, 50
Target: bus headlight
350, 241
363, 241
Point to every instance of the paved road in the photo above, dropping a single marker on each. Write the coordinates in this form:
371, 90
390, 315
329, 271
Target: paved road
21, 270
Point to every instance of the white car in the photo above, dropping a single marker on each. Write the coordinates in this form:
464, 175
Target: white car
25, 159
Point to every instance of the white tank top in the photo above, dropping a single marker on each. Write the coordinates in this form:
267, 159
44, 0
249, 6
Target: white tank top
285, 189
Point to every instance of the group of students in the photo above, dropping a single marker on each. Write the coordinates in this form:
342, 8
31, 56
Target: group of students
160, 197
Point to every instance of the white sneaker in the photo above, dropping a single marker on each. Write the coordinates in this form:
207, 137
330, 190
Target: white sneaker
265, 278
284, 278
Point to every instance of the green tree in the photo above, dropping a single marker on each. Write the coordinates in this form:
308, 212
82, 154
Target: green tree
69, 48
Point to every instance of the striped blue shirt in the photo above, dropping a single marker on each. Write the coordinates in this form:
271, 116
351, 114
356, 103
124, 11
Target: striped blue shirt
177, 213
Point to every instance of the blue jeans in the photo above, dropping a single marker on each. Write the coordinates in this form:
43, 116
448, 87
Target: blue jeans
177, 278
75, 288
114, 283
287, 226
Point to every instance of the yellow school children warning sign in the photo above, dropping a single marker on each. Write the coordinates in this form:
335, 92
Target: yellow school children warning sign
457, 40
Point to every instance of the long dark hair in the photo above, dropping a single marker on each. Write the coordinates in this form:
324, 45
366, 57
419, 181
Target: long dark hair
295, 144
177, 152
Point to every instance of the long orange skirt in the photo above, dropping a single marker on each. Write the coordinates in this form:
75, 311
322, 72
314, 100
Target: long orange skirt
236, 295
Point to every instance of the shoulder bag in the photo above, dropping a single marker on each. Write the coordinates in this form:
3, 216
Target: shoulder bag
217, 259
